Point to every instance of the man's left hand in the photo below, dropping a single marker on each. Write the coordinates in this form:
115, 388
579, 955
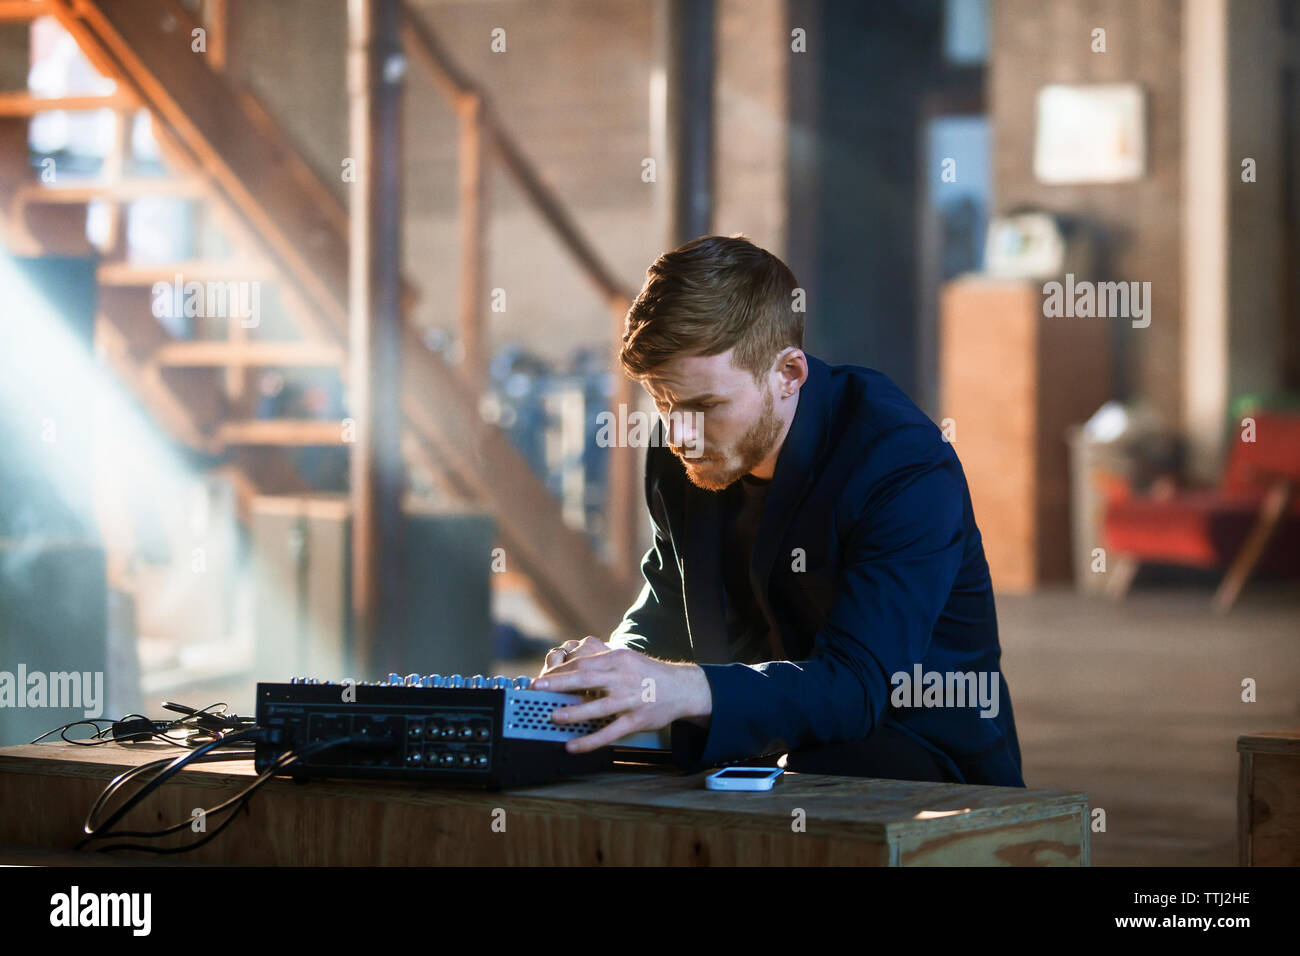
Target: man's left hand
645, 693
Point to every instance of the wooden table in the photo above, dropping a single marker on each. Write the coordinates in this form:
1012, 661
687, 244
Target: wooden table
1268, 799
634, 815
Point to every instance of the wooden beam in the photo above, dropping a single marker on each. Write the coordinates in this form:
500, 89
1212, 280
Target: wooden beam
19, 11
472, 183
114, 170
196, 270
377, 474
122, 190
217, 14
26, 104
286, 432
220, 354
423, 46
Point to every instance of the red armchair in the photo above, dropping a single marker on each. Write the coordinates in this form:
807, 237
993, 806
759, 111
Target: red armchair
1250, 522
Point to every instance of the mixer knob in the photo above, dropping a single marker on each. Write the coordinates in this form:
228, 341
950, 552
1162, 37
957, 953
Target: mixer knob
478, 680
394, 678
411, 680
500, 683
523, 683
456, 680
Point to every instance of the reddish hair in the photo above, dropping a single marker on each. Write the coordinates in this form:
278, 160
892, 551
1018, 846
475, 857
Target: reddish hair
709, 295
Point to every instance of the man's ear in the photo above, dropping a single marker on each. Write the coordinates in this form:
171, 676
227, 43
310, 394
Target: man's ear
792, 371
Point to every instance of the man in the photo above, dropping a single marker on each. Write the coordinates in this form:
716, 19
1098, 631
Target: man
817, 583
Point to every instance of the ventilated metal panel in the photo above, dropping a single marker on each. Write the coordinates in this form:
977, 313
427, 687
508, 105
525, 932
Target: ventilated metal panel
528, 716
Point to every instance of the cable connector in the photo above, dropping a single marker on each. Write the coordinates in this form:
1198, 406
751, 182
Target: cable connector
138, 728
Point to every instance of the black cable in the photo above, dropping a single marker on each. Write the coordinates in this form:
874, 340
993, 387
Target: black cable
107, 735
93, 721
100, 834
244, 797
127, 776
235, 803
170, 767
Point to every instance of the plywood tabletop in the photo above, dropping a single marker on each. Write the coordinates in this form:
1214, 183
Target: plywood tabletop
1271, 741
858, 805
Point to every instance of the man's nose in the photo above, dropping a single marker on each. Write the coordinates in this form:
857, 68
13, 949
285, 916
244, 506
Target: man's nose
681, 429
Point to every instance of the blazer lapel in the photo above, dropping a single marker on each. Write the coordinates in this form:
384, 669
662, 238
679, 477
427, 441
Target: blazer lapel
795, 470
702, 576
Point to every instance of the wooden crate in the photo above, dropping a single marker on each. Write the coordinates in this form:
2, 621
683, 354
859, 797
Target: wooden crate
1013, 382
631, 816
1268, 799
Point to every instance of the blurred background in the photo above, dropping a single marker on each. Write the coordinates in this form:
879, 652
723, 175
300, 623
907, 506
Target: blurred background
310, 311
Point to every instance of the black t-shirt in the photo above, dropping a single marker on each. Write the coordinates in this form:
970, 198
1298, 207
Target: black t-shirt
747, 628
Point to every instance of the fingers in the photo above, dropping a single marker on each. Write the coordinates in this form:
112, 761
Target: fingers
582, 673
559, 655
589, 645
605, 736
571, 651
593, 709
574, 676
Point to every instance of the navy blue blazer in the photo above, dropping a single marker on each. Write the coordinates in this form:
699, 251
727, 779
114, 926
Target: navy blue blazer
867, 563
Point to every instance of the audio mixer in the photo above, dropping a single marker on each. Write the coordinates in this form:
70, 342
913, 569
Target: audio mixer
492, 732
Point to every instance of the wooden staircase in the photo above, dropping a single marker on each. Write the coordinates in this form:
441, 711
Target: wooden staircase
232, 157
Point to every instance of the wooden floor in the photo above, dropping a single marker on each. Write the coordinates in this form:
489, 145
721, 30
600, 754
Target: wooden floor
1139, 705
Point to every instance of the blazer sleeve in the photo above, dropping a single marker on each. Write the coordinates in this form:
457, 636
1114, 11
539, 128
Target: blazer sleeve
899, 563
655, 624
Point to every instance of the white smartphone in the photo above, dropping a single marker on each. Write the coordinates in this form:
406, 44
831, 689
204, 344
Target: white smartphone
743, 778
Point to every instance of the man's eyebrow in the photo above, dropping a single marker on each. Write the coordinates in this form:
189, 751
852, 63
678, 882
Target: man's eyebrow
698, 398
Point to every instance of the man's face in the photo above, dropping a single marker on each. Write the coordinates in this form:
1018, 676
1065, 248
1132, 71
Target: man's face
718, 420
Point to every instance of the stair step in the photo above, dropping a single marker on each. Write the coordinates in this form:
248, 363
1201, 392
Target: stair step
22, 11
216, 353
146, 274
282, 432
123, 190
25, 104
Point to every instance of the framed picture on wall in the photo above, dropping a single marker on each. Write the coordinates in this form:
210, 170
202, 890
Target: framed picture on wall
1090, 134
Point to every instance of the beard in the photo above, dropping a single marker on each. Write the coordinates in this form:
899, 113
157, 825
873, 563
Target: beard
727, 466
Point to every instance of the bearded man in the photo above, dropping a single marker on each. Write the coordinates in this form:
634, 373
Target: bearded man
816, 586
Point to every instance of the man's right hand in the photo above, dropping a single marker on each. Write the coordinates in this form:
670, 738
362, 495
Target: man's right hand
572, 650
